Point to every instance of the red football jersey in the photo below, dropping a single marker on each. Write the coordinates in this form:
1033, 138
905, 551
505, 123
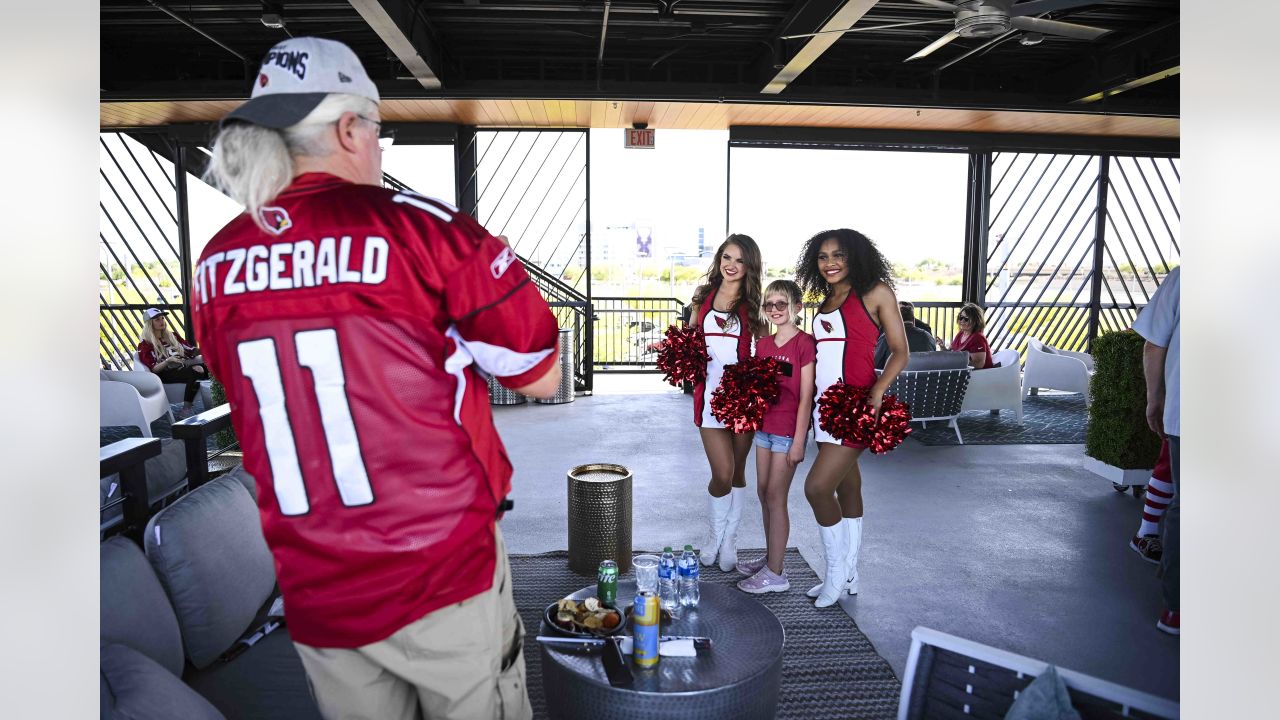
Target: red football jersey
348, 339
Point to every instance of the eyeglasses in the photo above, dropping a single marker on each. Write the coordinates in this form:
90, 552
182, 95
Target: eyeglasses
386, 136
964, 319
776, 306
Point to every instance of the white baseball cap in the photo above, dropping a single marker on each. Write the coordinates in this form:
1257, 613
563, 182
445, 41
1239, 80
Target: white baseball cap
295, 76
151, 313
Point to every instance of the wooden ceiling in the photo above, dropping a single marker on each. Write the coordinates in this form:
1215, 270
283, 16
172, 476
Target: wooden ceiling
518, 113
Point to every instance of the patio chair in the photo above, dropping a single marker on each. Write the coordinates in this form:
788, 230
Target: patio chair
131, 398
933, 385
177, 391
998, 388
949, 676
1053, 369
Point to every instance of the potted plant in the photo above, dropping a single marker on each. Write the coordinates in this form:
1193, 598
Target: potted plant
1118, 444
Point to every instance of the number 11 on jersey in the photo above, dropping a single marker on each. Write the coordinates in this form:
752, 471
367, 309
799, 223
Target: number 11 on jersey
318, 351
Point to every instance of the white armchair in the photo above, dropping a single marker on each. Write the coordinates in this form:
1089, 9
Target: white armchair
131, 398
997, 388
1054, 369
177, 391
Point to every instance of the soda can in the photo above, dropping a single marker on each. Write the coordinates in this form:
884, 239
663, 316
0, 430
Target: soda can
607, 583
645, 619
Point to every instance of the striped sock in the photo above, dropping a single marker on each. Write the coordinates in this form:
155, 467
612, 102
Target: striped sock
1159, 493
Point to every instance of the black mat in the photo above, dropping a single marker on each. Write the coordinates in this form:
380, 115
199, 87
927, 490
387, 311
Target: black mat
829, 668
1046, 420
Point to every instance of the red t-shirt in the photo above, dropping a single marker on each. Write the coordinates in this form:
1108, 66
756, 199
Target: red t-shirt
975, 343
348, 340
147, 353
799, 351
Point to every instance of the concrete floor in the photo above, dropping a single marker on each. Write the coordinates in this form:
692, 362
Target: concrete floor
1015, 546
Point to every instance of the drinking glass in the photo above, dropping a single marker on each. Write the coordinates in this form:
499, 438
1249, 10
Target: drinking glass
646, 572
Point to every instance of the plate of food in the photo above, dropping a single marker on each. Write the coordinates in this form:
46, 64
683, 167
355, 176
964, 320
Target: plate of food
584, 618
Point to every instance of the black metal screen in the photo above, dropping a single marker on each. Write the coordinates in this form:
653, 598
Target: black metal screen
1076, 244
141, 258
532, 187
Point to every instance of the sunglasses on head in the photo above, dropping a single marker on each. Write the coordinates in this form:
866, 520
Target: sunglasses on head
778, 305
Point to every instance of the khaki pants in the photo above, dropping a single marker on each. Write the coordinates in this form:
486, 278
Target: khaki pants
461, 662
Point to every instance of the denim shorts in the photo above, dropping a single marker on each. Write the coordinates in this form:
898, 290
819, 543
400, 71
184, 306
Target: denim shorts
776, 443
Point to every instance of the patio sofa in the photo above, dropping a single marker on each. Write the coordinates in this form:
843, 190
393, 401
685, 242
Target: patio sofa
1053, 369
996, 388
188, 629
933, 384
949, 676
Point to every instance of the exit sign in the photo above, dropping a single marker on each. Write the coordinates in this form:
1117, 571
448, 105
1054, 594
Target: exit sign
639, 138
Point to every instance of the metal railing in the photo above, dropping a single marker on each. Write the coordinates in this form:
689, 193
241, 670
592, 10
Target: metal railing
628, 330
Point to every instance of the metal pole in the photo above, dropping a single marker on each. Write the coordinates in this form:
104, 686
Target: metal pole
184, 237
977, 223
1099, 248
588, 347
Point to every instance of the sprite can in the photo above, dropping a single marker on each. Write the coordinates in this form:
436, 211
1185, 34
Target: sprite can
607, 583
644, 624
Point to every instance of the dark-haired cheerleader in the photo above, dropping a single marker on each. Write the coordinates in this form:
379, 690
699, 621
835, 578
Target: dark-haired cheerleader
846, 270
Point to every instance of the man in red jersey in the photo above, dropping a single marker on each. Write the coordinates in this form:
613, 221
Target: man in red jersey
351, 325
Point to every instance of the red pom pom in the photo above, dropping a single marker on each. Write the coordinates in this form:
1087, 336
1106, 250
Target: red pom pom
746, 391
683, 356
845, 413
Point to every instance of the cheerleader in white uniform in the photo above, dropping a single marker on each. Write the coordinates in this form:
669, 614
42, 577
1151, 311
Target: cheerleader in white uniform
846, 270
727, 309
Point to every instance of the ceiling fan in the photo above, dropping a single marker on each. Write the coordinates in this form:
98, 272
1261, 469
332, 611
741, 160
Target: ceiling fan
992, 18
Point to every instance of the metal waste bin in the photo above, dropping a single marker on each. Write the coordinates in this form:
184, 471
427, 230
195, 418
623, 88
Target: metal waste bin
599, 517
500, 394
564, 393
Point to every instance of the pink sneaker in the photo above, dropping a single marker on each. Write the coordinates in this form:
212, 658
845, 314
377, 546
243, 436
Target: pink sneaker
765, 581
751, 567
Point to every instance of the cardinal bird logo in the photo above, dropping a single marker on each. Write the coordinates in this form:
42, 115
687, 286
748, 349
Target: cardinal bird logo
276, 220
826, 325
262, 79
721, 322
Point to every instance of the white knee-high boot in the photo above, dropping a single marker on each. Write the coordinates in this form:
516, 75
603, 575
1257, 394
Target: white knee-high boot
717, 518
835, 541
728, 546
851, 557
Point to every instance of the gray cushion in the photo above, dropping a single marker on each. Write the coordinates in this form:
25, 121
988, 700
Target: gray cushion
267, 681
213, 562
244, 478
166, 474
942, 360
133, 608
139, 689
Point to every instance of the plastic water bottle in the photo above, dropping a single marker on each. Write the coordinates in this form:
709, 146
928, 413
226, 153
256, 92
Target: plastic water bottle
689, 591
668, 579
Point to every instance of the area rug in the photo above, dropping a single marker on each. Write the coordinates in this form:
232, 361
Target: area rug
1046, 420
829, 668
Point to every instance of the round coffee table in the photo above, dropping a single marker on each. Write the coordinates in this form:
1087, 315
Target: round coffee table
738, 679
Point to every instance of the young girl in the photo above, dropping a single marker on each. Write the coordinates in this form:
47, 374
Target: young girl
727, 308
780, 444
848, 272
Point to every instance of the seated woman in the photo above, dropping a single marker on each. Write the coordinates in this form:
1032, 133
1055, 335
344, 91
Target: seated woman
970, 338
168, 355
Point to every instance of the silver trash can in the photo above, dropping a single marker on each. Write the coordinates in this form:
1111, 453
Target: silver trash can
500, 394
599, 517
564, 393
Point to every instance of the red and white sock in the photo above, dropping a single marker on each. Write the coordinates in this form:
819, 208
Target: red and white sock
1159, 494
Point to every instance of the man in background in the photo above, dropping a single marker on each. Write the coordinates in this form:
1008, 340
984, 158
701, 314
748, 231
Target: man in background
1160, 325
918, 339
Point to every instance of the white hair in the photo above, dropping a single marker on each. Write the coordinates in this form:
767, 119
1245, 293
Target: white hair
253, 164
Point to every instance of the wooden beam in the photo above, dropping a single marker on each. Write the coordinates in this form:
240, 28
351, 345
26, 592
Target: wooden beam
843, 19
393, 21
